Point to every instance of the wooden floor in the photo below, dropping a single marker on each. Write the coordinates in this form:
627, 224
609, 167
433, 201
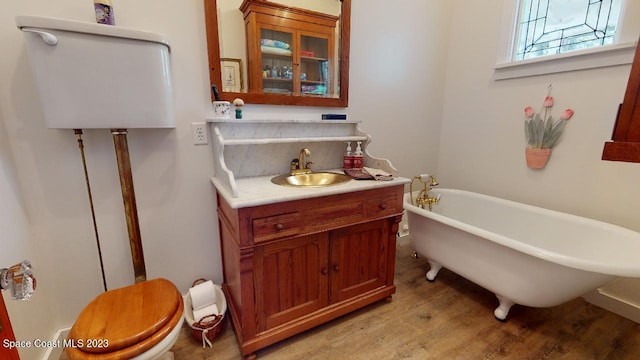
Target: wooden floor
450, 318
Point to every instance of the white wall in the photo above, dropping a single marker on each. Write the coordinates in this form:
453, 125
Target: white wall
424, 92
175, 200
35, 317
396, 90
482, 141
398, 62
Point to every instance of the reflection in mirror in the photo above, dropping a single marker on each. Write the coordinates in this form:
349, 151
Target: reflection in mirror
284, 52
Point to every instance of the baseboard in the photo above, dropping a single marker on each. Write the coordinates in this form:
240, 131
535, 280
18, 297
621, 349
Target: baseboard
615, 305
54, 353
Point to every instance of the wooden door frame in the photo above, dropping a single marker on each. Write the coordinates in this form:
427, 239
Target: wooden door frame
6, 333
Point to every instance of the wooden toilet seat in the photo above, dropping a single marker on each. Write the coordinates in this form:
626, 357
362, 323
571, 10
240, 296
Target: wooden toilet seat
125, 322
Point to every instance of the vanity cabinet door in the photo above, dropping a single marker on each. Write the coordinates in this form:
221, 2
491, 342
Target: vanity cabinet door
359, 259
290, 279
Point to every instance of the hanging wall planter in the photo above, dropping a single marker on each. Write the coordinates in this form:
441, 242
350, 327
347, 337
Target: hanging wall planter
542, 132
537, 158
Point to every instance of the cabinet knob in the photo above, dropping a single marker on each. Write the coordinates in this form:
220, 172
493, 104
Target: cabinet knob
336, 268
324, 271
383, 206
279, 226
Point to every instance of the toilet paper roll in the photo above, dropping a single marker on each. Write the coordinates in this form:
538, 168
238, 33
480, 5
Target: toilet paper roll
208, 310
202, 295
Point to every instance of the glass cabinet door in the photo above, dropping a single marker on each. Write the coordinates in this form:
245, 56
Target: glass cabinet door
295, 62
276, 50
315, 65
291, 51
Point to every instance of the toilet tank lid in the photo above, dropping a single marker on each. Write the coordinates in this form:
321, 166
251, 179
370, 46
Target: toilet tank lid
50, 23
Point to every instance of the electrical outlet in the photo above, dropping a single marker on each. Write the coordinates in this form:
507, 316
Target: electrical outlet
199, 133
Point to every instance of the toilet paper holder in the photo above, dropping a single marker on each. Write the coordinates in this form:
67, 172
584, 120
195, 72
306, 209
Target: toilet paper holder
209, 327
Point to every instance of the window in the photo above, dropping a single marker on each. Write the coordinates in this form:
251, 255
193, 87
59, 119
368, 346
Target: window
548, 36
548, 27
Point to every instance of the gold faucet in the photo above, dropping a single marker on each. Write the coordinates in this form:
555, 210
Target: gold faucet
299, 166
423, 196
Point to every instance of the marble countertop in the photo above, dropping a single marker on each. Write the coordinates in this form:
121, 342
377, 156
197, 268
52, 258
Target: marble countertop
259, 190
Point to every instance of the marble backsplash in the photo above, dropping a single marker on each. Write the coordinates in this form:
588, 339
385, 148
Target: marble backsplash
256, 148
273, 159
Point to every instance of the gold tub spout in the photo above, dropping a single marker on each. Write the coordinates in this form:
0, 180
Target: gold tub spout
423, 196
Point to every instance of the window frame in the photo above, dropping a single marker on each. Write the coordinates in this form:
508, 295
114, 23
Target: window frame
537, 26
621, 52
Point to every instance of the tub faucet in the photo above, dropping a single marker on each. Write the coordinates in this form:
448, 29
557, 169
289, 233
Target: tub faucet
299, 166
423, 196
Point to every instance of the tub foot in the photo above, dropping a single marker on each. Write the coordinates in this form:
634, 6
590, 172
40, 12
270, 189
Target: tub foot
431, 274
501, 311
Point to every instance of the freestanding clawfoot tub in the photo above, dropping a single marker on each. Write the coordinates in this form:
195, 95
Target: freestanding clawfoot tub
523, 254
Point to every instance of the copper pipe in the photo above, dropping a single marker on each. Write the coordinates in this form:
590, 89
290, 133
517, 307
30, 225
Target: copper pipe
129, 199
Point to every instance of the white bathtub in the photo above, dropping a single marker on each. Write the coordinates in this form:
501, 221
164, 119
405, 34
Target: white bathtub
523, 254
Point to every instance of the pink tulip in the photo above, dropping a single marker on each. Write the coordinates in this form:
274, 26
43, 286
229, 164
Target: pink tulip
567, 114
529, 112
548, 101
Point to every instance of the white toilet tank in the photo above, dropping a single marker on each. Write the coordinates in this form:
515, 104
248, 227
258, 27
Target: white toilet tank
99, 76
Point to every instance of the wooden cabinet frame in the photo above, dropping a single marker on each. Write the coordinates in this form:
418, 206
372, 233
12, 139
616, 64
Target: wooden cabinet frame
260, 15
625, 144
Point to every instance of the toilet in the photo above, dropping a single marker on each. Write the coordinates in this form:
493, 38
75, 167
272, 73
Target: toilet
95, 76
140, 321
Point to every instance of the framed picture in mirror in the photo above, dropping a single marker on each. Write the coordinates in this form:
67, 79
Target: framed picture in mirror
232, 80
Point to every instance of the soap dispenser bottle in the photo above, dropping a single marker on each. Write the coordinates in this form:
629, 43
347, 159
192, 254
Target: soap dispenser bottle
348, 157
358, 158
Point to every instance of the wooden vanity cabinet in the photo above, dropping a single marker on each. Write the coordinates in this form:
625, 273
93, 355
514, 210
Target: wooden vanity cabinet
294, 265
307, 66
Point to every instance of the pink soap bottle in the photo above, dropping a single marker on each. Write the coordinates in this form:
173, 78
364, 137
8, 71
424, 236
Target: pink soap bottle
358, 157
348, 157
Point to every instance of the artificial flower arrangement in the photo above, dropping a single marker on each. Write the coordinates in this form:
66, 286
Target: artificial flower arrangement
543, 132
